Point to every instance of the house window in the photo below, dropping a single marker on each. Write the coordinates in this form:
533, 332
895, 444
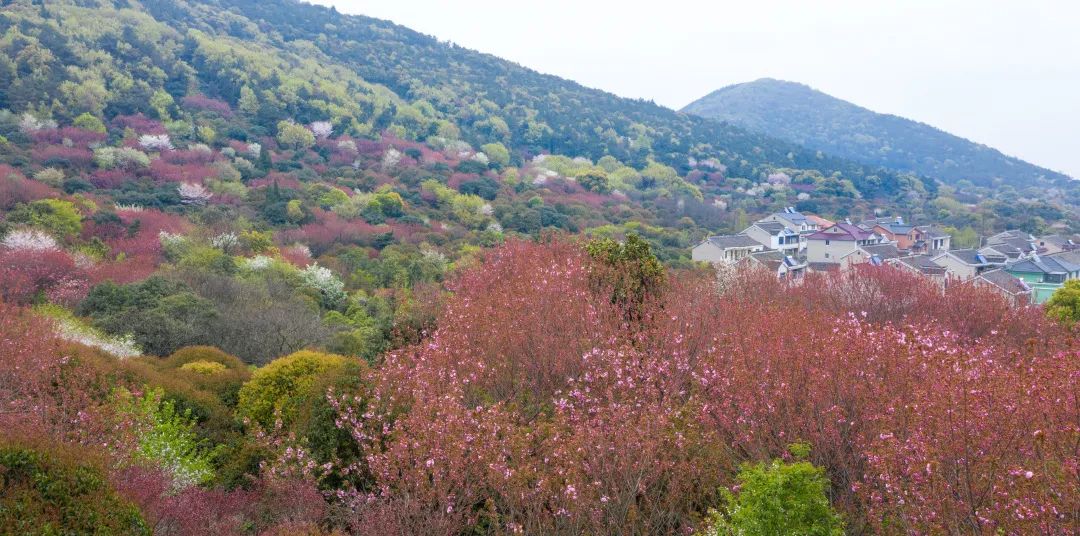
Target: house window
826, 242
826, 255
1054, 278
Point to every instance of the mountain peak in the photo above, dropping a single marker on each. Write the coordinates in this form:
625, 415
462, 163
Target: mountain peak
801, 114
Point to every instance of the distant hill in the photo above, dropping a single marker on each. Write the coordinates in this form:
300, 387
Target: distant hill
803, 115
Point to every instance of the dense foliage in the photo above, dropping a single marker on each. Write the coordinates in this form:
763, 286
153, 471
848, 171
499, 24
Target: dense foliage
1064, 304
778, 498
536, 406
60, 490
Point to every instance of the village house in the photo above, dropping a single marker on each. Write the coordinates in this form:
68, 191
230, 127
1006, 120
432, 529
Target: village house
1013, 288
796, 221
1012, 244
913, 238
777, 236
895, 231
818, 221
923, 265
868, 225
727, 249
1051, 244
831, 244
784, 266
875, 254
1044, 274
965, 264
929, 239
1005, 251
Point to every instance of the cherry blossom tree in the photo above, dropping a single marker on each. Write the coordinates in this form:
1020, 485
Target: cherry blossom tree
193, 193
322, 129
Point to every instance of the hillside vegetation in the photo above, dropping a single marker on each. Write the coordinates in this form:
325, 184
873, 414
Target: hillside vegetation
268, 270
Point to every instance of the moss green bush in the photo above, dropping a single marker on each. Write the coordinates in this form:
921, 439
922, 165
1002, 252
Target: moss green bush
211, 370
57, 489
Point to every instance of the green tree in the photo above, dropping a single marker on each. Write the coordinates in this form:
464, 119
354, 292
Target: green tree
286, 386
1064, 304
160, 102
57, 217
294, 135
777, 498
249, 102
89, 122
497, 153
628, 270
165, 436
594, 180
963, 238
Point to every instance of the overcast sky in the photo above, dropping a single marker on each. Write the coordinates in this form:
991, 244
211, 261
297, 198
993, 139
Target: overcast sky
1003, 73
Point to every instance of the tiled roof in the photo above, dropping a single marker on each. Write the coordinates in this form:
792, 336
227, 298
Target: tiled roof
1072, 257
884, 251
1045, 265
1056, 240
824, 266
774, 259
732, 241
850, 232
772, 227
793, 216
1005, 251
1008, 235
969, 256
771, 259
924, 264
1005, 281
897, 228
932, 232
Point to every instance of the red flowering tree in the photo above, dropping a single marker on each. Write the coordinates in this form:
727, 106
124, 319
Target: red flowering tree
533, 408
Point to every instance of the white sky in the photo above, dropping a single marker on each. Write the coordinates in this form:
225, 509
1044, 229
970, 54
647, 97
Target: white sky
1001, 72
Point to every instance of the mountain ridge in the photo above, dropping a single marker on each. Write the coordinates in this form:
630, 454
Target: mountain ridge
800, 114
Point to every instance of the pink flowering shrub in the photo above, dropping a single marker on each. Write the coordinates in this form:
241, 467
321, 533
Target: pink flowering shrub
77, 136
26, 274
202, 102
15, 188
60, 155
533, 408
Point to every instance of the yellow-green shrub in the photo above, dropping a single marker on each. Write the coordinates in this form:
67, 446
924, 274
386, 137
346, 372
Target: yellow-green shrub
285, 386
205, 368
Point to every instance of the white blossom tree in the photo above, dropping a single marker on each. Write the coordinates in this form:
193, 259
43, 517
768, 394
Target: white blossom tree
225, 241
322, 129
323, 280
30, 239
155, 142
29, 124
390, 158
193, 193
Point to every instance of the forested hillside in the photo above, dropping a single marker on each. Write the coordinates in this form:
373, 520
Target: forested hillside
802, 115
491, 99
